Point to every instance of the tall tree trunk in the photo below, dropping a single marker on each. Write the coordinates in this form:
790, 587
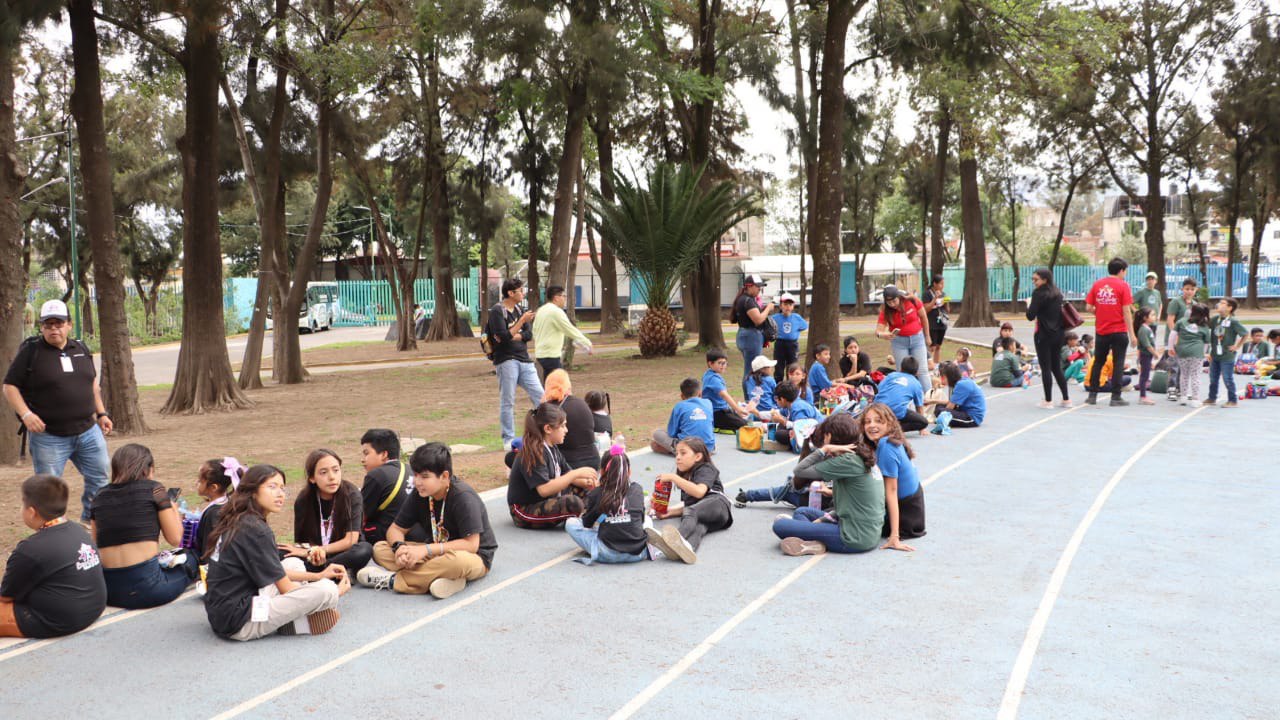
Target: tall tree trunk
975, 306
1062, 222
1154, 206
566, 179
119, 385
575, 249
535, 199
706, 286
203, 380
13, 177
607, 268
444, 320
1262, 206
1013, 250
824, 323
940, 189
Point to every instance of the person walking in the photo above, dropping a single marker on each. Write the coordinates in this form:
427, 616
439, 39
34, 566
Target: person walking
550, 327
1045, 308
53, 387
510, 329
902, 322
750, 317
1112, 301
935, 302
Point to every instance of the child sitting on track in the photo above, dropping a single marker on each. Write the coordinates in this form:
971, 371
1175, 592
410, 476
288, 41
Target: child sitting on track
542, 491
327, 515
963, 361
791, 408
967, 404
215, 481
611, 529
386, 482
1007, 369
903, 493
691, 417
53, 584
727, 413
706, 508
451, 515
1074, 357
797, 376
760, 386
901, 391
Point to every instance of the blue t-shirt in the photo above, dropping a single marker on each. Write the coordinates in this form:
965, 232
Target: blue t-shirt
819, 380
967, 396
692, 418
801, 410
712, 386
790, 326
765, 392
893, 462
898, 391
807, 395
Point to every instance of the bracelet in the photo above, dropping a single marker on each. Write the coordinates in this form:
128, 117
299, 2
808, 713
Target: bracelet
99, 416
26, 414
428, 551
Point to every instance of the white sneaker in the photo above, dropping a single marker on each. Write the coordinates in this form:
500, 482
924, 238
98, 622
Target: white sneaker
659, 542
1192, 403
442, 588
679, 545
376, 577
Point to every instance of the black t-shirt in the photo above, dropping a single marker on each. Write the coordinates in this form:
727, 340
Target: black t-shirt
704, 474
846, 365
604, 423
56, 582
938, 319
579, 446
460, 515
324, 508
377, 485
505, 345
237, 570
522, 484
63, 399
741, 306
208, 519
622, 531
129, 512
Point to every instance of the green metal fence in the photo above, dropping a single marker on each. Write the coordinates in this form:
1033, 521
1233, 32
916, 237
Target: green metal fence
1075, 280
369, 302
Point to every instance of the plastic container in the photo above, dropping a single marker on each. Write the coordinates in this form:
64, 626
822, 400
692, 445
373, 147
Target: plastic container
815, 494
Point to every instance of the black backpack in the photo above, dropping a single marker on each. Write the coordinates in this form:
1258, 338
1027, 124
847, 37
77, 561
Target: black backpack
769, 330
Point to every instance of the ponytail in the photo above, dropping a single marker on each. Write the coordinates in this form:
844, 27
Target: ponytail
535, 420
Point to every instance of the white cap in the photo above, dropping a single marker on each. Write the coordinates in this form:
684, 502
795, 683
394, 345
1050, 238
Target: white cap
754, 279
786, 297
761, 362
54, 309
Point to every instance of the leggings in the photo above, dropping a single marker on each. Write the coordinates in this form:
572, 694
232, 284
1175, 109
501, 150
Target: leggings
1189, 377
801, 525
1050, 354
1144, 377
912, 421
709, 514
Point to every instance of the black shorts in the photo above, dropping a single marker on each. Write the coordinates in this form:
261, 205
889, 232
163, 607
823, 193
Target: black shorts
936, 335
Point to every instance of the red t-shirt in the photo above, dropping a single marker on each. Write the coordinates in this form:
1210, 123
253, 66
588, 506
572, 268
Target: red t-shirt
906, 320
1110, 296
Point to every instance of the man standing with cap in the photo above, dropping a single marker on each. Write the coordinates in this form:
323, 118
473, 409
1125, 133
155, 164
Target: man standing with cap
53, 387
1149, 297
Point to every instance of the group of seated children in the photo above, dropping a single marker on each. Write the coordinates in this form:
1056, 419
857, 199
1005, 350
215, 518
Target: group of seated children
1007, 369
1075, 355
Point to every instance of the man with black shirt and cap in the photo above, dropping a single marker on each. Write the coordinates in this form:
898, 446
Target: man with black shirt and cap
53, 387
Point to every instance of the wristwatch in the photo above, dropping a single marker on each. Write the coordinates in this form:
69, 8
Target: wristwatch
396, 545
99, 416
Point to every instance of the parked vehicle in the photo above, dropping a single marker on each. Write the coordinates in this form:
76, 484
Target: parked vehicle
319, 308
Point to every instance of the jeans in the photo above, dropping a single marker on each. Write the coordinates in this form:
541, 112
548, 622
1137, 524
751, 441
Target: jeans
1116, 344
913, 346
801, 525
589, 540
750, 344
148, 585
1225, 370
510, 374
87, 451
784, 493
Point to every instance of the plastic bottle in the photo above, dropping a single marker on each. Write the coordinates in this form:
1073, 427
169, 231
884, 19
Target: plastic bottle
182, 507
815, 494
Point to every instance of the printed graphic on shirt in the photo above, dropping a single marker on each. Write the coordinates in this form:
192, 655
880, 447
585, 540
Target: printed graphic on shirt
88, 557
698, 414
1106, 296
622, 517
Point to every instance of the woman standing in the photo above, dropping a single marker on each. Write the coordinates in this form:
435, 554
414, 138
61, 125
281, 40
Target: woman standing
1045, 307
750, 317
903, 322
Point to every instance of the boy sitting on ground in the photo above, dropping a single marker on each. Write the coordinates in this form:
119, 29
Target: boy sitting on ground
727, 413
1008, 370
691, 417
1006, 331
792, 408
386, 482
53, 584
461, 541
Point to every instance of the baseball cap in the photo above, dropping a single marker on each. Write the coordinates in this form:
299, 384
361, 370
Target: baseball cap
891, 292
754, 279
1153, 275
54, 309
786, 297
1006, 326
761, 362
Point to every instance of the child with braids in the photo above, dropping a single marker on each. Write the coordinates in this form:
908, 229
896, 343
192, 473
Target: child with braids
542, 491
611, 530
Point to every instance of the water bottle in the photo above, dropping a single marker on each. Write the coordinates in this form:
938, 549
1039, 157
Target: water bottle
182, 507
815, 494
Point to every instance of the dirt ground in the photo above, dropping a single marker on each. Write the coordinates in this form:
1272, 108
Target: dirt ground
455, 403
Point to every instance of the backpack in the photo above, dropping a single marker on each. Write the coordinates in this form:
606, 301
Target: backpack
770, 331
486, 340
751, 438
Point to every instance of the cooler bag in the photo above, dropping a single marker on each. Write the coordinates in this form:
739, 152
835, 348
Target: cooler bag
1159, 382
750, 438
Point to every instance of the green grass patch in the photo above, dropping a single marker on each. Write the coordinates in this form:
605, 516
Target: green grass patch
157, 386
344, 345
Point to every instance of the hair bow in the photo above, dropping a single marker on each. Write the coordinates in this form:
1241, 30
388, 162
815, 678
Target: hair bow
617, 449
232, 468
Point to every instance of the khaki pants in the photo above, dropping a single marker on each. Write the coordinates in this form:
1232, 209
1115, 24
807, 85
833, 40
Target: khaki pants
296, 605
417, 580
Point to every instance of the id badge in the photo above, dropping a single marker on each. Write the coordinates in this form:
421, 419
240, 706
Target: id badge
261, 609
66, 364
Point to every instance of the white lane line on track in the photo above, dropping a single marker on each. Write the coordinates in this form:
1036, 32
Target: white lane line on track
1035, 632
998, 441
675, 671
26, 646
419, 623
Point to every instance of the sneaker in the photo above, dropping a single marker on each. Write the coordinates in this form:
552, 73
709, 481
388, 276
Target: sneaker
783, 516
442, 588
172, 559
1119, 402
1230, 404
1210, 402
376, 577
1044, 404
741, 500
794, 546
679, 546
1146, 401
1066, 404
658, 541
1191, 403
1092, 399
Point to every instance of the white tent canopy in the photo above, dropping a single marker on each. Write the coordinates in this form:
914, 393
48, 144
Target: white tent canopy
876, 264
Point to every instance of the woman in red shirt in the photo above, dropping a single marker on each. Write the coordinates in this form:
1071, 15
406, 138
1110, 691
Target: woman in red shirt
902, 322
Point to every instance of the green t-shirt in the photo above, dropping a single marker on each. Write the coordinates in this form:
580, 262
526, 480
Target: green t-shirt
1180, 310
1261, 351
1146, 339
859, 500
1149, 298
1226, 332
1004, 369
1191, 339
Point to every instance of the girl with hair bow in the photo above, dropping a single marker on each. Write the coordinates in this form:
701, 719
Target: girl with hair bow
611, 529
216, 480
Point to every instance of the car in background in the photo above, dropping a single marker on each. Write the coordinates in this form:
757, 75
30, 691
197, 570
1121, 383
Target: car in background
1267, 287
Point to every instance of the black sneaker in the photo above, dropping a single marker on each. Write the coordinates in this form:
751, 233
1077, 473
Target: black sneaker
741, 501
1092, 399
1119, 402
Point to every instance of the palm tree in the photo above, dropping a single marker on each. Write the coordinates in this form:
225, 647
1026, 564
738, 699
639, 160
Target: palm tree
660, 231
